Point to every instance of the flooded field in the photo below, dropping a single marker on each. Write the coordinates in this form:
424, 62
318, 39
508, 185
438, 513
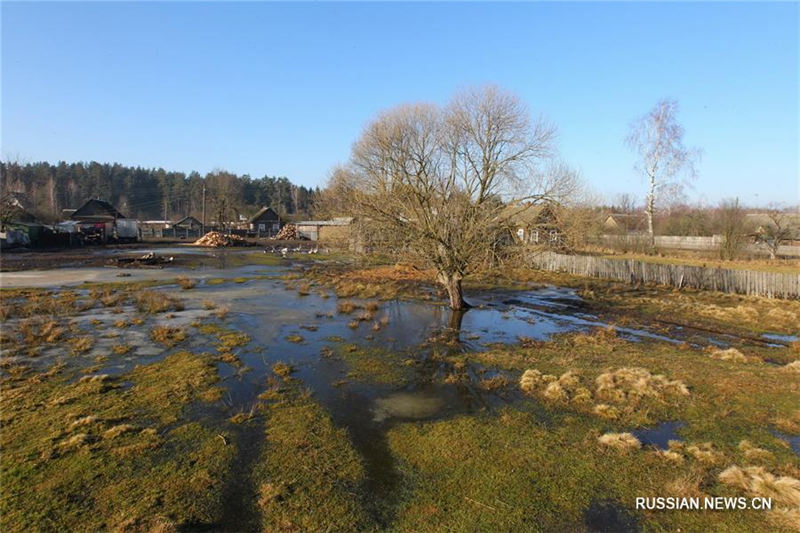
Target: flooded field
420, 408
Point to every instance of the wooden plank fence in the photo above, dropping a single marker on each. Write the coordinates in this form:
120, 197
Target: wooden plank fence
769, 284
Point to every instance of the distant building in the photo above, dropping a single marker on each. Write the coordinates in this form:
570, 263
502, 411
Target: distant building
336, 232
625, 223
96, 211
265, 223
187, 227
102, 222
534, 224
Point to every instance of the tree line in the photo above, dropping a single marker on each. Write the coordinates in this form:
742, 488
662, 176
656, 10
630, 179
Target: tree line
150, 193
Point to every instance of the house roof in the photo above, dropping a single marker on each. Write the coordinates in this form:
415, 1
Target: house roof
96, 209
625, 220
339, 221
527, 214
190, 220
261, 213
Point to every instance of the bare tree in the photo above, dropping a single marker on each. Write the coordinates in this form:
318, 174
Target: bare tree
437, 181
777, 230
663, 159
731, 220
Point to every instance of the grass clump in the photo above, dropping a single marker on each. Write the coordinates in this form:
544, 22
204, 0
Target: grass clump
757, 481
731, 354
121, 349
232, 339
186, 283
297, 339
282, 369
168, 335
80, 345
151, 302
622, 442
794, 366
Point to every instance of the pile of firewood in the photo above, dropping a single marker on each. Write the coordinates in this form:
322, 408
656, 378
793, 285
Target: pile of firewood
215, 238
147, 260
287, 233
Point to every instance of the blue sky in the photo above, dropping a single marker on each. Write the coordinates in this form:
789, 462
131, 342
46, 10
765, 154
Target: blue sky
285, 89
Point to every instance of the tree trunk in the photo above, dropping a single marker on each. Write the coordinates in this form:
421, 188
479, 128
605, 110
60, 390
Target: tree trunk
651, 204
452, 283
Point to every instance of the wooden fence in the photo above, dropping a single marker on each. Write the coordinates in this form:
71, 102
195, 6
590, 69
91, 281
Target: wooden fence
769, 284
641, 241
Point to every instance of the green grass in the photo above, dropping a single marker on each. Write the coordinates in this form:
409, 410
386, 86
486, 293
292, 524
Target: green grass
93, 455
537, 465
374, 365
309, 476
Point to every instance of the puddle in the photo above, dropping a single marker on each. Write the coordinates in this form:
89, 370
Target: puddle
609, 516
792, 440
659, 436
780, 338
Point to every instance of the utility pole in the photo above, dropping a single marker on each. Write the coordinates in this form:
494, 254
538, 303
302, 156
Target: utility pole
204, 207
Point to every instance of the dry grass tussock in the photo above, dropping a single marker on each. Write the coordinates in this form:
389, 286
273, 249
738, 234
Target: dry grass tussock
83, 421
494, 383
794, 366
41, 331
282, 369
731, 354
616, 392
118, 430
757, 481
121, 349
623, 442
566, 388
705, 453
790, 423
629, 385
740, 313
81, 345
346, 306
604, 410
156, 302
778, 314
599, 336
754, 453
186, 283
168, 335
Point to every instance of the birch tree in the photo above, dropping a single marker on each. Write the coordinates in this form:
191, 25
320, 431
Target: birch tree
664, 161
437, 180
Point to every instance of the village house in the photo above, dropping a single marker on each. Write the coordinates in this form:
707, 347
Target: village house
622, 223
265, 223
335, 232
187, 227
534, 224
101, 222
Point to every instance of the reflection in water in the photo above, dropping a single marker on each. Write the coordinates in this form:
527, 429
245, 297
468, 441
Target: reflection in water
407, 406
659, 436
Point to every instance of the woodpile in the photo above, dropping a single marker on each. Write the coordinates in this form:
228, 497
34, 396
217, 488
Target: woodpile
215, 238
147, 260
287, 233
